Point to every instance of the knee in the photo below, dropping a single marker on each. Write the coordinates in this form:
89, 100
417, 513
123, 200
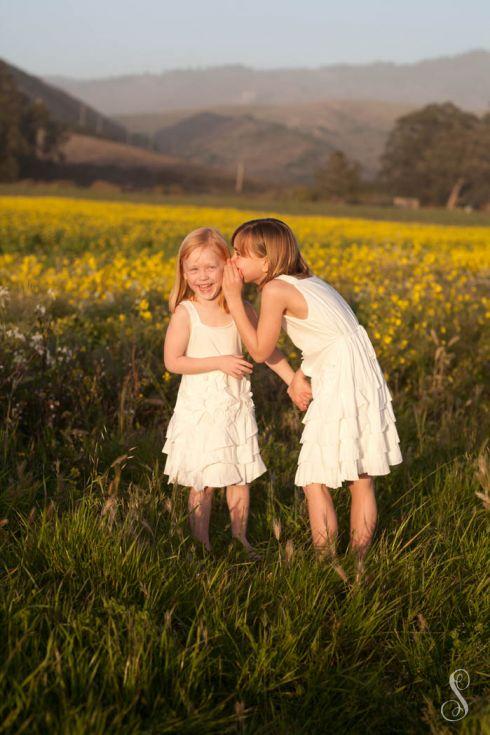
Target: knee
365, 484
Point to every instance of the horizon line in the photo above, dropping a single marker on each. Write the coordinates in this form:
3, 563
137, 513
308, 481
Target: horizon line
241, 65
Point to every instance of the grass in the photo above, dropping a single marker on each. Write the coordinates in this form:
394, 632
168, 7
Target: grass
116, 624
113, 622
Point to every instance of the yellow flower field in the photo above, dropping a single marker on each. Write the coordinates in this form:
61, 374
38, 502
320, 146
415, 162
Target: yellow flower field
403, 279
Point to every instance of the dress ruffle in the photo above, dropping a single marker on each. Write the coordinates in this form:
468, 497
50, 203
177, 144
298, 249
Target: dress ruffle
350, 424
211, 439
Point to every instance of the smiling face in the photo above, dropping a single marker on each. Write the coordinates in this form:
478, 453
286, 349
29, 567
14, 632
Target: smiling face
252, 268
203, 271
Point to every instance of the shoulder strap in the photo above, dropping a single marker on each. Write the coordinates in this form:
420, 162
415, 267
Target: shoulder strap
192, 311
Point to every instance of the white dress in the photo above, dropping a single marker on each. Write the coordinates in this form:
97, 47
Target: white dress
211, 439
349, 425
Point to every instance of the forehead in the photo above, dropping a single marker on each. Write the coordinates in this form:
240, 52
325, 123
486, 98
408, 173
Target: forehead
202, 256
243, 244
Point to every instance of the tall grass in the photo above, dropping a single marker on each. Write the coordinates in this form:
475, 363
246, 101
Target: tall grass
116, 623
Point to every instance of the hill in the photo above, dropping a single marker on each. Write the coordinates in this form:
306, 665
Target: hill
64, 107
87, 149
463, 79
268, 149
95, 149
273, 140
88, 159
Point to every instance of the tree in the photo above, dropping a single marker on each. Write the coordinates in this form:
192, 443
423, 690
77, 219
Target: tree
27, 131
12, 143
339, 179
477, 190
435, 154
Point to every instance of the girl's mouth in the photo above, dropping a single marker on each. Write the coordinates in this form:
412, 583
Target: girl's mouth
205, 289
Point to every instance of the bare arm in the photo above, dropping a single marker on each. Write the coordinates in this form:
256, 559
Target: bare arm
277, 360
299, 389
261, 340
260, 337
175, 346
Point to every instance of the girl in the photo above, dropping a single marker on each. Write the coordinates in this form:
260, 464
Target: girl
349, 431
211, 439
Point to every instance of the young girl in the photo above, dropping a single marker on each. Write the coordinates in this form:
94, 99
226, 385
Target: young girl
349, 431
211, 439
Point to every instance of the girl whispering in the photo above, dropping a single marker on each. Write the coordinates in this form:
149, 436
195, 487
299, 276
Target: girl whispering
211, 440
349, 428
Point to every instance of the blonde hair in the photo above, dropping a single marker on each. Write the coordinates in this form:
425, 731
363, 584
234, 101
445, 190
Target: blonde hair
202, 237
272, 239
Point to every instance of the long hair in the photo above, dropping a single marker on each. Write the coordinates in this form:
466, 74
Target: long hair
202, 237
272, 239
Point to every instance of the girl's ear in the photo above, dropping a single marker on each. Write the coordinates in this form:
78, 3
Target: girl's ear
265, 265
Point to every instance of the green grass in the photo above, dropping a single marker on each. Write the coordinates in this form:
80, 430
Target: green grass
287, 204
113, 622
116, 624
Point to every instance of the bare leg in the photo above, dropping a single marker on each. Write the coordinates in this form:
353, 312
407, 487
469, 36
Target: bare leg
363, 517
199, 504
323, 518
323, 522
238, 499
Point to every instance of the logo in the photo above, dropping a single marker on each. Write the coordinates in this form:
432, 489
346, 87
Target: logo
453, 710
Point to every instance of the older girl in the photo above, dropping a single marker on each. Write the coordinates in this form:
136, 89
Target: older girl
349, 432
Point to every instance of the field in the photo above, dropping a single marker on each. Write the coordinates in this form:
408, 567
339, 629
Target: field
112, 622
283, 202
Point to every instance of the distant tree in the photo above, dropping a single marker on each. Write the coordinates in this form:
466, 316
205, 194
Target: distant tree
339, 179
435, 154
12, 144
27, 131
478, 165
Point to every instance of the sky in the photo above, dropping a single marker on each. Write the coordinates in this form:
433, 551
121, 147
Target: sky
101, 38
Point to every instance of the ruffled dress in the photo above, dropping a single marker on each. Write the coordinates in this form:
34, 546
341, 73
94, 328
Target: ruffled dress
349, 427
211, 439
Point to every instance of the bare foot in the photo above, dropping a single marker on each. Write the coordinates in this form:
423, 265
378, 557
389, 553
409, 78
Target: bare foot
201, 546
361, 575
325, 554
340, 570
249, 549
358, 574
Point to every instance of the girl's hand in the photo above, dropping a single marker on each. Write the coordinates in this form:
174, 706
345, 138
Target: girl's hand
235, 365
299, 391
232, 282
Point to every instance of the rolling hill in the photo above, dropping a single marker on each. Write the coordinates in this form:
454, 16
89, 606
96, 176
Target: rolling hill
463, 79
95, 148
273, 140
281, 124
64, 107
129, 166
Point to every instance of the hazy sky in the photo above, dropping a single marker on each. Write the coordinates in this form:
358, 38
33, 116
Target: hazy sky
96, 38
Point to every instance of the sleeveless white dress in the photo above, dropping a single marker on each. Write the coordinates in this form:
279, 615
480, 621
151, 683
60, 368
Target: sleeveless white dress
349, 425
211, 439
